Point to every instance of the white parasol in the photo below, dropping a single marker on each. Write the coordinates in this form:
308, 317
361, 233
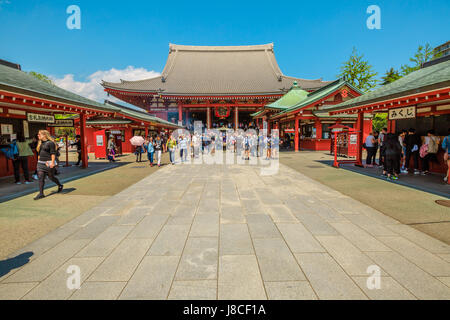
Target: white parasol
137, 141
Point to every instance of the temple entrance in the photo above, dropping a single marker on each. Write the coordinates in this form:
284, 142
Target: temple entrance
196, 116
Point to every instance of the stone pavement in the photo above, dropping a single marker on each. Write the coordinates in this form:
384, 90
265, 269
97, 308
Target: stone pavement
218, 232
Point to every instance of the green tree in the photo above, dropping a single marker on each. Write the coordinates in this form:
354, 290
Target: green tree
40, 76
358, 72
423, 54
379, 121
65, 131
390, 76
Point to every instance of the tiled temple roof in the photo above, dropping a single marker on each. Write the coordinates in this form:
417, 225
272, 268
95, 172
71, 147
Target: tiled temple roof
218, 70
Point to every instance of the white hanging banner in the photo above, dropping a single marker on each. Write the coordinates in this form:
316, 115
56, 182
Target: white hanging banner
39, 117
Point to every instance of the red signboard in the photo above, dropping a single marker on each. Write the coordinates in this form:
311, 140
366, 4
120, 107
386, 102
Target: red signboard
100, 144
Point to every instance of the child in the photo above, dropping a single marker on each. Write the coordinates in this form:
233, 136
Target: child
111, 155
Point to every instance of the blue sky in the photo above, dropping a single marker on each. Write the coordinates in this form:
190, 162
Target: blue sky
311, 38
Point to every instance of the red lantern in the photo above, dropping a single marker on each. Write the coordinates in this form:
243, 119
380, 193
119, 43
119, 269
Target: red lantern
222, 112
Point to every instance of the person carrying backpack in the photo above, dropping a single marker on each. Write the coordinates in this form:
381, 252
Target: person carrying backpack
392, 151
431, 147
412, 144
446, 147
21, 159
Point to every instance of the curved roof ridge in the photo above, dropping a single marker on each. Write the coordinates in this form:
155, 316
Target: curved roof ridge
303, 79
182, 47
129, 81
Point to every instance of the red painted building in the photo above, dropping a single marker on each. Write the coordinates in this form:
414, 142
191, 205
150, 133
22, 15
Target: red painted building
28, 105
302, 114
122, 126
420, 100
220, 86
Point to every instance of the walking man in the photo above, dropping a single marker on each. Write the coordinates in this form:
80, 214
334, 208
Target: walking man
158, 149
77, 143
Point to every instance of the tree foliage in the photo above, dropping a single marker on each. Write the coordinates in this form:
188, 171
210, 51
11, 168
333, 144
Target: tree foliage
358, 72
390, 76
379, 121
423, 54
40, 76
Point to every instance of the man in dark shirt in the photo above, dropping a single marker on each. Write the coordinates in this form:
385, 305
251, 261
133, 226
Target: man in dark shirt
78, 144
412, 144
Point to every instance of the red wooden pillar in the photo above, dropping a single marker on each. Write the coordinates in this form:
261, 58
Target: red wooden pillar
84, 149
146, 130
236, 118
180, 114
318, 126
391, 126
208, 117
51, 130
360, 129
296, 134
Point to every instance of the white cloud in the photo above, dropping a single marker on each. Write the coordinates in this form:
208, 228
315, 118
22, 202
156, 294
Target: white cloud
92, 89
3, 2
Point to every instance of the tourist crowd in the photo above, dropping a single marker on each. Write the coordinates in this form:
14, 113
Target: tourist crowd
396, 151
244, 144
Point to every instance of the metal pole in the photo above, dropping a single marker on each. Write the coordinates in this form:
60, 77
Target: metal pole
67, 152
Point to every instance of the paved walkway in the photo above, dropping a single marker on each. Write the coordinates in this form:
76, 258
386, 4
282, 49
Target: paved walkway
216, 232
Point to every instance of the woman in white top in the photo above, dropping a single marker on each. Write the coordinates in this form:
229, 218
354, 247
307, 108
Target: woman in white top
432, 143
370, 148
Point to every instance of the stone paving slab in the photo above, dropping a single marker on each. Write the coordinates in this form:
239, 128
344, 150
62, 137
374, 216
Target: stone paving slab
152, 279
193, 290
55, 286
290, 290
117, 268
239, 278
327, 278
276, 261
98, 291
226, 232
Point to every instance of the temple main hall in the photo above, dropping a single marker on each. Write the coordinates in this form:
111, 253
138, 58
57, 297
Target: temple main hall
219, 85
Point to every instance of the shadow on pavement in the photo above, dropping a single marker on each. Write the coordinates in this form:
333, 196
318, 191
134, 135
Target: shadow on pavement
432, 183
13, 263
64, 191
9, 190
